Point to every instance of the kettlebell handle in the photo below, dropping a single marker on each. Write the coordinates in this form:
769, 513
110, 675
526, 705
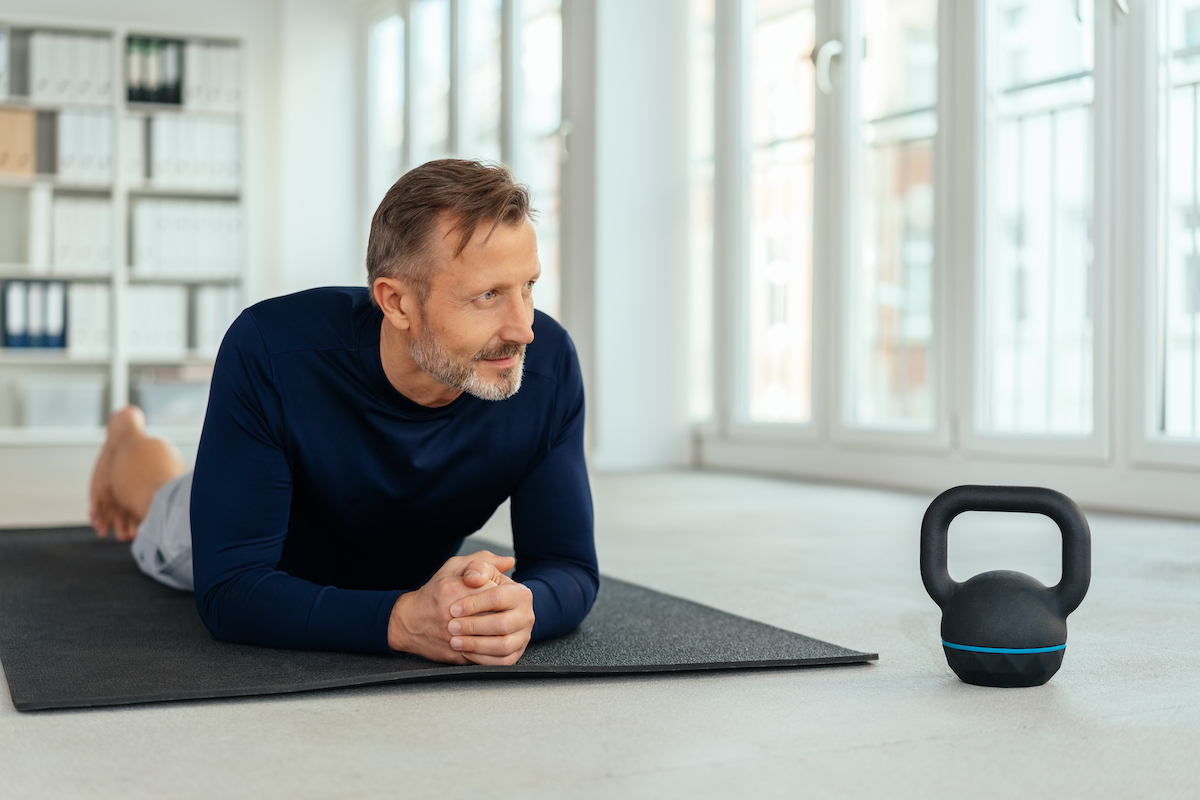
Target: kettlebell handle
1076, 536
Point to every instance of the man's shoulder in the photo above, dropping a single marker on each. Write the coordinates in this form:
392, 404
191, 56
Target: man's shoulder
312, 319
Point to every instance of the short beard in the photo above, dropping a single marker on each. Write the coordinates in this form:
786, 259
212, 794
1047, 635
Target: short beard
462, 374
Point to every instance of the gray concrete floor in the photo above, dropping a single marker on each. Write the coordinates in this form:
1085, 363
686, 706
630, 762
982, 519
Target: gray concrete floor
1121, 719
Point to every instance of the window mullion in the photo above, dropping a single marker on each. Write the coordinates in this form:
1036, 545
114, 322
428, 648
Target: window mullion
406, 146
510, 85
455, 124
729, 207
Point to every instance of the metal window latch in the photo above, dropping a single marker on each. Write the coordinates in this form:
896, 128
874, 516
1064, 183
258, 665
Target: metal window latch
565, 128
821, 61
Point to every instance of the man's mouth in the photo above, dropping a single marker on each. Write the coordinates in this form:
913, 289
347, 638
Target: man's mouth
502, 357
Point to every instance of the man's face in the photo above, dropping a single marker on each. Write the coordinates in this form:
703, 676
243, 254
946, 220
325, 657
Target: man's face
477, 319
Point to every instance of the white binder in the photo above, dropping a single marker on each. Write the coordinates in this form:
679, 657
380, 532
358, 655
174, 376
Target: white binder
41, 67
87, 328
3, 62
104, 146
35, 320
56, 299
194, 76
41, 219
134, 142
65, 236
79, 75
16, 313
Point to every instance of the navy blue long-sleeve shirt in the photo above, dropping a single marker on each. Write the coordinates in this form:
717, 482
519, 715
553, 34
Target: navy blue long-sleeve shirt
321, 493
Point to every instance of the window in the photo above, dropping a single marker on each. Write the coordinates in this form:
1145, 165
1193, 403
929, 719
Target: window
968, 249
890, 325
780, 173
1037, 322
1177, 379
470, 79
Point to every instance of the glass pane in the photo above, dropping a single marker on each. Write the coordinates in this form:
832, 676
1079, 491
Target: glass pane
1179, 251
385, 108
1037, 282
481, 79
431, 80
700, 135
539, 150
781, 197
891, 311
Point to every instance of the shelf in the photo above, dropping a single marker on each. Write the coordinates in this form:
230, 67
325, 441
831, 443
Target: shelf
23, 181
184, 193
45, 357
52, 436
179, 434
25, 104
140, 107
185, 280
190, 361
21, 272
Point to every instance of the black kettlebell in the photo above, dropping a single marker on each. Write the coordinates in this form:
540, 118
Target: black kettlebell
1005, 628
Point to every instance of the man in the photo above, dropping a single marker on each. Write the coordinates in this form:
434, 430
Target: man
353, 439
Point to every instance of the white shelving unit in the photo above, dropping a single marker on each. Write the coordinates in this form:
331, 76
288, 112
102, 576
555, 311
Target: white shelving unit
131, 199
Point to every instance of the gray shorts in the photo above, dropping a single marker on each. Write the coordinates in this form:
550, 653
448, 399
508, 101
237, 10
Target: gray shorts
163, 547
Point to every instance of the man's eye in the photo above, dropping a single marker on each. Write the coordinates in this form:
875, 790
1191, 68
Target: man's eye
487, 295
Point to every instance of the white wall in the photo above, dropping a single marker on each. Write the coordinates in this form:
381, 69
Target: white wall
317, 112
638, 395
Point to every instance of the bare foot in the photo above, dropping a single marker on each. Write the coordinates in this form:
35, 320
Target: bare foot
105, 512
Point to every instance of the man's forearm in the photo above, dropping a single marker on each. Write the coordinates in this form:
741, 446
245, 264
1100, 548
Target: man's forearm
271, 608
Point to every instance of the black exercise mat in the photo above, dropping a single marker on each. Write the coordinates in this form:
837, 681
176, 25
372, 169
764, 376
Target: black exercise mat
80, 626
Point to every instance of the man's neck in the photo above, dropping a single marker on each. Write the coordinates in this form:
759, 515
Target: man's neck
406, 376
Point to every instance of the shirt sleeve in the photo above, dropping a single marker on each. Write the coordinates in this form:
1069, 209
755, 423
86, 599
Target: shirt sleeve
241, 499
552, 518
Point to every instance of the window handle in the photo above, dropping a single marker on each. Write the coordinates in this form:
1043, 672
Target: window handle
824, 55
1123, 5
565, 129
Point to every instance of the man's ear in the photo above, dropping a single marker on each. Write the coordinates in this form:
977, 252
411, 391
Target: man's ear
397, 301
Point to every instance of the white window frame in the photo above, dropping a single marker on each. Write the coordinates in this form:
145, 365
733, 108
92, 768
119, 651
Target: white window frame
1122, 464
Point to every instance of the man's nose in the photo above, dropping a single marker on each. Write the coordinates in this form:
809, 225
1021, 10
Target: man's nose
518, 323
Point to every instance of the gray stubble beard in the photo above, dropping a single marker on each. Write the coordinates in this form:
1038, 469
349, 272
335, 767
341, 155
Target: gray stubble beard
427, 351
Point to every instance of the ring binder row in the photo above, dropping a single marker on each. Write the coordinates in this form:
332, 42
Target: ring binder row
167, 323
191, 152
186, 238
199, 75
35, 314
81, 236
56, 67
73, 145
153, 72
166, 151
162, 322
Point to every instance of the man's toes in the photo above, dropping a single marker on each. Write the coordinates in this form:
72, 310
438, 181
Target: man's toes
126, 421
131, 528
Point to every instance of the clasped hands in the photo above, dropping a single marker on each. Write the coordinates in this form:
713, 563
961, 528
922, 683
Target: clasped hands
469, 612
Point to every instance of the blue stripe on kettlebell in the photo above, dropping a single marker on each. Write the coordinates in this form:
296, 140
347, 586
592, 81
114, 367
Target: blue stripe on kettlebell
974, 649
